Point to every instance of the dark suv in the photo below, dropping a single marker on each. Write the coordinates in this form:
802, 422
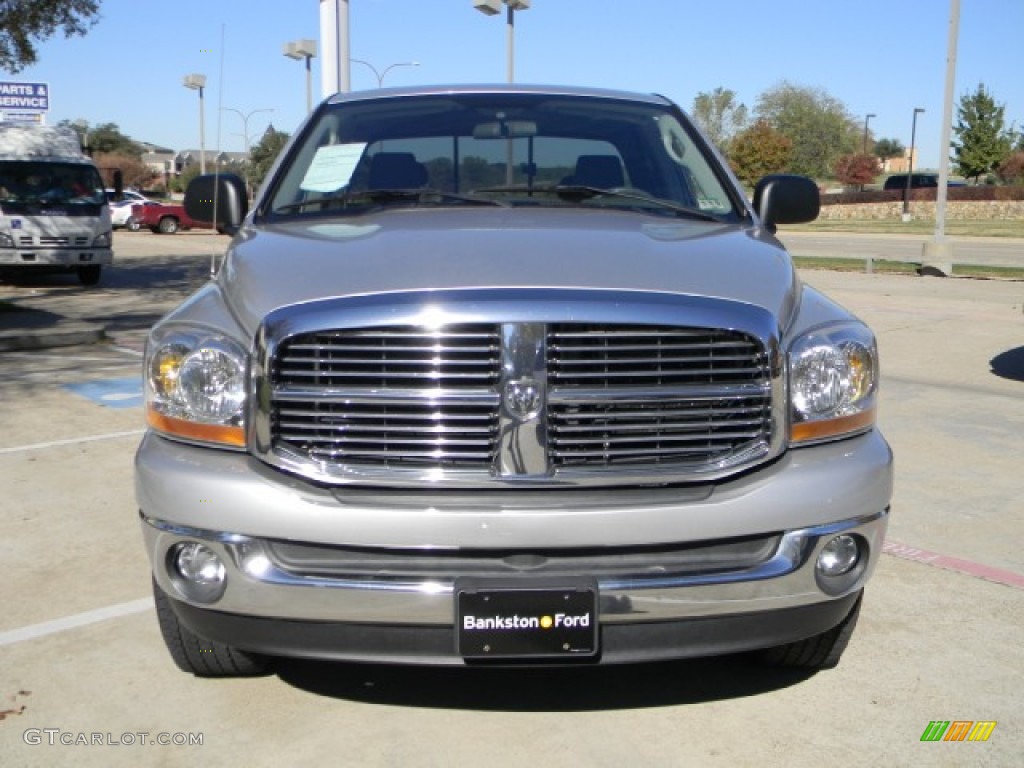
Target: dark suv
917, 181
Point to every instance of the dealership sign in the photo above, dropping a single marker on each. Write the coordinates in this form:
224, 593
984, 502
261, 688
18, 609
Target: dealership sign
24, 97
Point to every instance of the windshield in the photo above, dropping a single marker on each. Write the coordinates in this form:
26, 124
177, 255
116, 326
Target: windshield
26, 185
509, 149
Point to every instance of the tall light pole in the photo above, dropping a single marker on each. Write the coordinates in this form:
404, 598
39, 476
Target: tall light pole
380, 74
245, 123
303, 49
866, 119
937, 255
245, 137
910, 166
198, 83
334, 64
492, 8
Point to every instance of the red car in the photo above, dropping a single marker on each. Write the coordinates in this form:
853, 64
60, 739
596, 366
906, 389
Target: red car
166, 219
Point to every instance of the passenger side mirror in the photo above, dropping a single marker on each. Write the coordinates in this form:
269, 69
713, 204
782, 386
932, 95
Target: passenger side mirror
786, 199
219, 198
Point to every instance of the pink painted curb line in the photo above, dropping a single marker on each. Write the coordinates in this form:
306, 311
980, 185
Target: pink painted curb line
967, 567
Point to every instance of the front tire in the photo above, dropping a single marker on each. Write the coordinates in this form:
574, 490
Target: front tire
89, 275
132, 224
168, 225
818, 652
202, 657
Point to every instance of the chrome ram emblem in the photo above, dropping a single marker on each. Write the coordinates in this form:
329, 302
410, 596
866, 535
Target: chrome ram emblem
524, 398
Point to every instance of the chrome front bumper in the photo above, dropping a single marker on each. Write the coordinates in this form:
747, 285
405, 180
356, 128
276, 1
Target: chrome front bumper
257, 586
55, 257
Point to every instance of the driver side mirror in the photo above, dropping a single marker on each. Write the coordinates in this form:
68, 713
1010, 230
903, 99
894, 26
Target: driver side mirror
786, 199
219, 198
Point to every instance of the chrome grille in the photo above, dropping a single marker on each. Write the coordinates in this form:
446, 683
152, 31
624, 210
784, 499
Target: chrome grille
620, 401
53, 241
629, 395
400, 396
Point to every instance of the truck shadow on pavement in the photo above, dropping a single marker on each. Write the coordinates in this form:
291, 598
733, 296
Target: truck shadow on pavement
129, 296
637, 686
1009, 364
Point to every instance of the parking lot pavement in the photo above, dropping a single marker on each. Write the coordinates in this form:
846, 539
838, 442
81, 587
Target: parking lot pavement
81, 659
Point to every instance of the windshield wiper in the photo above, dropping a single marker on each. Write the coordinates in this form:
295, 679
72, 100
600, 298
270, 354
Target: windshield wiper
578, 193
425, 196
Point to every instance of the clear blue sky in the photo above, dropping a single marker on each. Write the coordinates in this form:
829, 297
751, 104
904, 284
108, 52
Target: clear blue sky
875, 56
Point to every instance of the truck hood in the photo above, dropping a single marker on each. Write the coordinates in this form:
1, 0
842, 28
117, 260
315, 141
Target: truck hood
272, 266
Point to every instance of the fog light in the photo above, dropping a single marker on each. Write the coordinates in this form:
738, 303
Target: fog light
839, 556
197, 572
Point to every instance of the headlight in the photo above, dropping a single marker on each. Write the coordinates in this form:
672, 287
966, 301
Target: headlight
196, 387
833, 381
102, 241
6, 241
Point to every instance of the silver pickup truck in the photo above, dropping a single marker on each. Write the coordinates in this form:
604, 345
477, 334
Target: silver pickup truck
506, 375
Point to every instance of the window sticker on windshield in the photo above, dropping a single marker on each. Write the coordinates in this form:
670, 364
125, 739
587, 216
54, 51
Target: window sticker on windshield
332, 167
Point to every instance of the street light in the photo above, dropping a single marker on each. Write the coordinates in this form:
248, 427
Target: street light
298, 50
910, 166
866, 119
380, 75
198, 83
245, 123
493, 7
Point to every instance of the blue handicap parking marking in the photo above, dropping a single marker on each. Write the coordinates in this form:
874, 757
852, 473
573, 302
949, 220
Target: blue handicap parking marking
113, 393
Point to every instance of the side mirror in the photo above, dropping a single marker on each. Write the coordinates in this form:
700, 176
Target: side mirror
786, 199
219, 198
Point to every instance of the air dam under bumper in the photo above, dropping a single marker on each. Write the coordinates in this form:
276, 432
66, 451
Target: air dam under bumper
643, 616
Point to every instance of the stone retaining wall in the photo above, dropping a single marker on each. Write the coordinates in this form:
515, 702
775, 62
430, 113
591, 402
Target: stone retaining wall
998, 210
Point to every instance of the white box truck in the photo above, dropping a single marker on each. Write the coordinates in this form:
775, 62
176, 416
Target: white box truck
53, 211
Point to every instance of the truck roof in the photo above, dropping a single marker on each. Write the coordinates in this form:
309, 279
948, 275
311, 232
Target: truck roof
40, 142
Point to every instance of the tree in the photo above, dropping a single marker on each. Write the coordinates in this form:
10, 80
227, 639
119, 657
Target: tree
758, 151
819, 127
134, 172
856, 170
719, 116
105, 138
180, 182
886, 148
262, 156
984, 141
1011, 171
26, 22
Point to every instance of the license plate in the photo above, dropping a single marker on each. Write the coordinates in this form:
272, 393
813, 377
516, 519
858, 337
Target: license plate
526, 622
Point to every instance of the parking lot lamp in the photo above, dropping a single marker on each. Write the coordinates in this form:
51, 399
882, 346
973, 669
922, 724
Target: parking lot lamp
910, 166
380, 74
303, 49
867, 118
493, 7
198, 83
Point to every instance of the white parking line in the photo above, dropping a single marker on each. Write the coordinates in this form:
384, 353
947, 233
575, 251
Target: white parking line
35, 631
72, 441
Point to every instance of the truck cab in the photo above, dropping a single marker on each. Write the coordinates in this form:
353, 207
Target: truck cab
53, 210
